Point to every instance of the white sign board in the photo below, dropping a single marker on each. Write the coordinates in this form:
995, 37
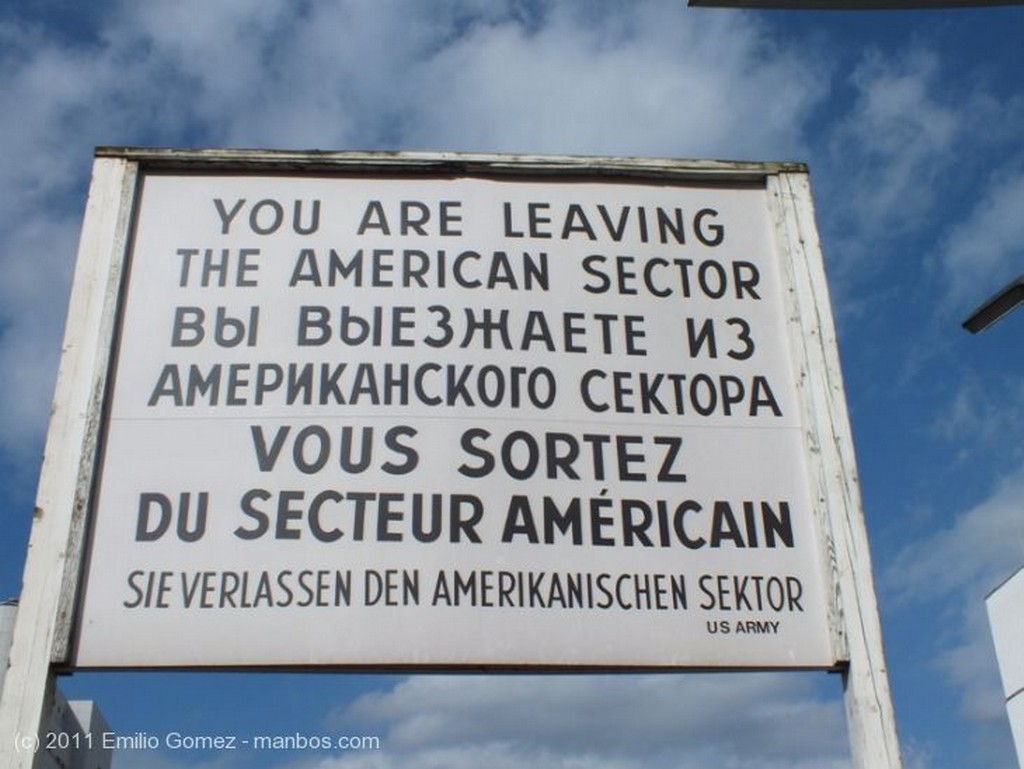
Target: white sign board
423, 420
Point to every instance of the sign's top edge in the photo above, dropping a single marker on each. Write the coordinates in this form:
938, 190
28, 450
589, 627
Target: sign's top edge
443, 162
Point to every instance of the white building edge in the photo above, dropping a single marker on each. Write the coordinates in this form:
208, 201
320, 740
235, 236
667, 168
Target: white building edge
73, 739
1006, 619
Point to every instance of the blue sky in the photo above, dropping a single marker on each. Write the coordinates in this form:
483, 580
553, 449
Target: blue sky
910, 123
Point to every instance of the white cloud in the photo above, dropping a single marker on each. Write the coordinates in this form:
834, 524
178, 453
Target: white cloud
896, 176
951, 572
33, 294
983, 252
640, 79
969, 664
982, 412
893, 144
649, 78
59, 101
981, 547
681, 720
156, 759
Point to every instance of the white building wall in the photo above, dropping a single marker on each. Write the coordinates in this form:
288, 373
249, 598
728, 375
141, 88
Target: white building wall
8, 613
73, 738
1006, 617
75, 735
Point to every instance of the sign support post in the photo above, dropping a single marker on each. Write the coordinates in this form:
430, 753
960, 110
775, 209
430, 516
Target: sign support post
870, 715
47, 603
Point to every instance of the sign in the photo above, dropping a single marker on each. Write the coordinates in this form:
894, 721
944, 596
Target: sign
400, 417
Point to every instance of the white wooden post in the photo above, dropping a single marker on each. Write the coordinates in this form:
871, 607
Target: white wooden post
870, 715
41, 634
